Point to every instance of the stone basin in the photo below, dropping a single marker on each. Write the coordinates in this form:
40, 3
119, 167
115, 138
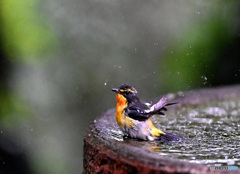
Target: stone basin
208, 118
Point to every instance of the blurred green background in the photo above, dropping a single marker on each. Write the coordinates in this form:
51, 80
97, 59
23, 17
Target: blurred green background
60, 59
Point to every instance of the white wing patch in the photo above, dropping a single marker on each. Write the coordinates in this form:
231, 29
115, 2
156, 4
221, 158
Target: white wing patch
161, 103
151, 109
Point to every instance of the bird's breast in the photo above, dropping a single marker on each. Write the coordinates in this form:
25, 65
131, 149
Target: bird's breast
121, 105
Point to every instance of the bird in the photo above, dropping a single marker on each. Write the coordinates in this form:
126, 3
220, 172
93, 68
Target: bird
134, 116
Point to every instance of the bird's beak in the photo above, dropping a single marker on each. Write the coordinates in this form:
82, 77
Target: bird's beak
115, 90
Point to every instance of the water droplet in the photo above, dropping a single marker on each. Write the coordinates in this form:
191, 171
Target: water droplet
204, 77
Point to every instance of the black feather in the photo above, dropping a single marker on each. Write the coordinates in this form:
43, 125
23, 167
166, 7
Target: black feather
160, 113
164, 109
172, 104
168, 137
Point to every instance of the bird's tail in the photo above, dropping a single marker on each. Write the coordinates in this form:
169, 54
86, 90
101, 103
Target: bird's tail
169, 137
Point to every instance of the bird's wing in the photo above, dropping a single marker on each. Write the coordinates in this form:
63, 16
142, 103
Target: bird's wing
137, 111
141, 111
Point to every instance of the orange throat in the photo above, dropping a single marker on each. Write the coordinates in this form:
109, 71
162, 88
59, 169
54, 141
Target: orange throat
121, 105
121, 100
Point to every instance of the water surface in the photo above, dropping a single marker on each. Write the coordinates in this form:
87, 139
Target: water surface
211, 129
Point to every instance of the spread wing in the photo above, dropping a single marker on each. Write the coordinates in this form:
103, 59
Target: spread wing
142, 111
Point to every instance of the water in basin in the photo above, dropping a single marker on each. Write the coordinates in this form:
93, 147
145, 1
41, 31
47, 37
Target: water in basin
212, 130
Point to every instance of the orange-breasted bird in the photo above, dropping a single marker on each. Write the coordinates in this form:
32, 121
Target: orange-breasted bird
134, 116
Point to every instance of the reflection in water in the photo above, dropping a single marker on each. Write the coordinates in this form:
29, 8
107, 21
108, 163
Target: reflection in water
212, 132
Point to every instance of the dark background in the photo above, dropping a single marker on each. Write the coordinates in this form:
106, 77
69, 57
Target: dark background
60, 59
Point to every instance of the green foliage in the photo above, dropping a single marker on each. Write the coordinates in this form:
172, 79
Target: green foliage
24, 35
13, 109
189, 61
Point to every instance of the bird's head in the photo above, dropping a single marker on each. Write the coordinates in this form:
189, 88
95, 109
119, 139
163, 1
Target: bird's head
127, 91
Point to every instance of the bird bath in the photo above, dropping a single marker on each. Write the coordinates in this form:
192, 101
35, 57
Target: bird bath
209, 119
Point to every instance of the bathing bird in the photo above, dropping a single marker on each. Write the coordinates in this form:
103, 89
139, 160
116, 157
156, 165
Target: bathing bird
134, 116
